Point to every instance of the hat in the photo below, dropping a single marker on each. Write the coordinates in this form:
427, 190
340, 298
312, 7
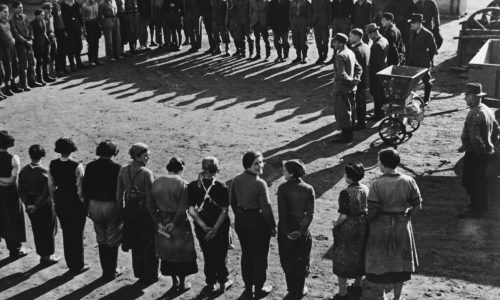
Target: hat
416, 18
210, 164
47, 5
357, 31
372, 27
6, 140
340, 37
65, 145
295, 167
474, 89
388, 16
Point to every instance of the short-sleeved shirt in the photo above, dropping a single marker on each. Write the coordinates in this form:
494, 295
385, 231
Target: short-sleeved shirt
393, 193
209, 205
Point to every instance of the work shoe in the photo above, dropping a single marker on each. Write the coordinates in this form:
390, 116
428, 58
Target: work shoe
225, 286
81, 270
49, 261
263, 291
15, 89
256, 57
7, 92
19, 253
35, 84
49, 79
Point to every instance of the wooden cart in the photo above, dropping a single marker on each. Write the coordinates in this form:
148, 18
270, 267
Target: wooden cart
485, 69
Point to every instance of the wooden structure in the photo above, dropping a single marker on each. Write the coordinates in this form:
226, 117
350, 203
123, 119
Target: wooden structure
485, 69
481, 26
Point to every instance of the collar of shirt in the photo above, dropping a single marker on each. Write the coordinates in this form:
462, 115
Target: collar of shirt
356, 45
65, 158
34, 166
19, 16
250, 173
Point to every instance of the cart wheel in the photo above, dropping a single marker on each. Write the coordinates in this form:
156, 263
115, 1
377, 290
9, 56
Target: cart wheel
412, 125
392, 131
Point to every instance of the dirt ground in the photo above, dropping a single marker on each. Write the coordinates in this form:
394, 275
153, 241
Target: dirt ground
192, 105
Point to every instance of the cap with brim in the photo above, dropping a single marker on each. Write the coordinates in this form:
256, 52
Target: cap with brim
47, 5
416, 18
372, 27
388, 16
474, 89
357, 31
340, 37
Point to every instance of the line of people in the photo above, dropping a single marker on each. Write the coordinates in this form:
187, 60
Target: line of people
149, 217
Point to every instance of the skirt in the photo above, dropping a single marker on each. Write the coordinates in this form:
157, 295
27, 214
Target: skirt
12, 226
348, 252
170, 268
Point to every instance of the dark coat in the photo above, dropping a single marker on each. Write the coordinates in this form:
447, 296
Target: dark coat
300, 9
321, 13
40, 38
362, 53
362, 14
258, 11
378, 55
396, 45
238, 12
430, 11
278, 15
421, 49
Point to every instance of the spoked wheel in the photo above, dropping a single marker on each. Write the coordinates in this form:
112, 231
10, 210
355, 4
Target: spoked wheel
413, 123
392, 131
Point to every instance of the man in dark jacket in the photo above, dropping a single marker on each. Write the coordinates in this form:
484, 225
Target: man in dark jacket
279, 22
239, 26
321, 19
402, 11
430, 11
219, 26
206, 16
378, 62
145, 9
362, 53
40, 44
421, 51
259, 15
393, 36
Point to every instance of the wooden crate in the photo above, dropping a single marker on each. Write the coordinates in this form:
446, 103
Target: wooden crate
485, 69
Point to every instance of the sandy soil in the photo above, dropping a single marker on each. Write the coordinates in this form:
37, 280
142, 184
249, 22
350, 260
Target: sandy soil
195, 105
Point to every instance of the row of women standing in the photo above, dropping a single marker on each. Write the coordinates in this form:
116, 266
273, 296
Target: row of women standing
149, 217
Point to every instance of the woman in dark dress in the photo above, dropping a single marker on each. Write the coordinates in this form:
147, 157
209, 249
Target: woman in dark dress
174, 240
65, 183
350, 232
208, 205
296, 210
34, 191
12, 227
99, 191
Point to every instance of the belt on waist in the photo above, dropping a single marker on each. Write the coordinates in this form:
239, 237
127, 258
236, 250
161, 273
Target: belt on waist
248, 209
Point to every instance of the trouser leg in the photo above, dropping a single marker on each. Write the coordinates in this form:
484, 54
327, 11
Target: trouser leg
257, 34
13, 246
44, 224
361, 105
72, 226
427, 86
260, 259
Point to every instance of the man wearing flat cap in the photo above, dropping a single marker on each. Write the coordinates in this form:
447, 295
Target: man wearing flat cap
362, 53
421, 51
347, 75
479, 138
378, 62
394, 37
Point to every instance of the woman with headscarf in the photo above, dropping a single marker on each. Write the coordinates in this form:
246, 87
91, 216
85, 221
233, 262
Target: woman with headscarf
208, 205
296, 210
391, 254
65, 184
99, 191
254, 223
34, 191
350, 232
167, 204
134, 182
12, 227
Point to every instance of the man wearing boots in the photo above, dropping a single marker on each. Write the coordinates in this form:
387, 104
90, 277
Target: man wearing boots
362, 53
40, 43
23, 34
8, 60
259, 10
99, 190
71, 14
279, 22
300, 19
49, 71
238, 23
421, 50
321, 19
191, 23
219, 27
91, 25
378, 62
206, 16
479, 139
347, 75
61, 38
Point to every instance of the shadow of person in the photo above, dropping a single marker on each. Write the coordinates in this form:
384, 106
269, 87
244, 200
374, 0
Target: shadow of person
85, 290
18, 277
174, 292
130, 291
43, 288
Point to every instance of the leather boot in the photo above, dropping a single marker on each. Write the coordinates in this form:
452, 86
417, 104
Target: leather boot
23, 81
14, 88
46, 77
7, 91
286, 50
298, 59
103, 258
79, 64
2, 96
280, 57
345, 137
250, 47
304, 56
268, 51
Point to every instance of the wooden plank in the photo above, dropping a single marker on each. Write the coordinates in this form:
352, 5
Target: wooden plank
477, 37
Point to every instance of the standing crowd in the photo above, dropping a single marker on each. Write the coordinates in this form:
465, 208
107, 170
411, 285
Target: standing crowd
149, 217
38, 51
